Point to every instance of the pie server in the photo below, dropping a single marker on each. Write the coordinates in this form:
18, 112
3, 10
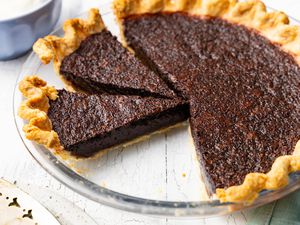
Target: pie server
18, 208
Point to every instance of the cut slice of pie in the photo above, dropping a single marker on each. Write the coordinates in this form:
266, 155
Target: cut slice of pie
85, 124
91, 59
238, 65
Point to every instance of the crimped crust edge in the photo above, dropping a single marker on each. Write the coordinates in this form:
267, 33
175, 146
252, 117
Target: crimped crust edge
35, 108
276, 178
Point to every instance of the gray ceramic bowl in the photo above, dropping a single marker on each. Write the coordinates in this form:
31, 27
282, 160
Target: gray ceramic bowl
18, 34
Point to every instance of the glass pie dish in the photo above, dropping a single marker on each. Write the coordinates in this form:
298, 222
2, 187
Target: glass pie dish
157, 176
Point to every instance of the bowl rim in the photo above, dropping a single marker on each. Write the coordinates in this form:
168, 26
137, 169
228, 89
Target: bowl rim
29, 12
129, 203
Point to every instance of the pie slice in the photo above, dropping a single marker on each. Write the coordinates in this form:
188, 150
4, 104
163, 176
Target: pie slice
91, 59
85, 124
238, 65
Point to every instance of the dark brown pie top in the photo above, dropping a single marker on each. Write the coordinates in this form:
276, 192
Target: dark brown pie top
86, 124
243, 89
102, 64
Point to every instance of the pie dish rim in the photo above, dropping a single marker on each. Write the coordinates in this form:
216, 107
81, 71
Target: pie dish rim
253, 13
64, 174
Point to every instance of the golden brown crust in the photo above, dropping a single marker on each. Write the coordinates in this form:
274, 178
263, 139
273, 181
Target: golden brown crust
57, 48
252, 13
35, 108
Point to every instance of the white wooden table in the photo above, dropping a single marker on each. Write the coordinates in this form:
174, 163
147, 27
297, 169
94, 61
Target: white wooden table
17, 165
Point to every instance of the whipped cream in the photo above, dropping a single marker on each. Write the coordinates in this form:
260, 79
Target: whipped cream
13, 8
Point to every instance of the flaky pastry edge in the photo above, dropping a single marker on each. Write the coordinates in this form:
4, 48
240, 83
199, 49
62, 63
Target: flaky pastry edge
54, 48
253, 14
34, 109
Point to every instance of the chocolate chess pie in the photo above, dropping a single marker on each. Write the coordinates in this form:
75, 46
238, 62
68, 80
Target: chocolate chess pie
236, 64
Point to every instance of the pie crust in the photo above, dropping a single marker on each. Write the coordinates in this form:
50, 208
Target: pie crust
57, 48
35, 108
253, 14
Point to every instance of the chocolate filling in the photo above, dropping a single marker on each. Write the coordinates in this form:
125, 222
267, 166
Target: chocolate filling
102, 65
89, 123
243, 90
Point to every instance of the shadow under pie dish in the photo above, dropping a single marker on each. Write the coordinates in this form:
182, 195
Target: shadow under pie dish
221, 126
